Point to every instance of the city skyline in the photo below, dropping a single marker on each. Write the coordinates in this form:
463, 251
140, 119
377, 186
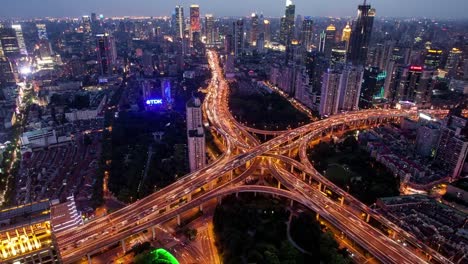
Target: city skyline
451, 9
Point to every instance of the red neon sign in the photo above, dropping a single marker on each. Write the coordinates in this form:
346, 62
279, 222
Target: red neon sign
416, 68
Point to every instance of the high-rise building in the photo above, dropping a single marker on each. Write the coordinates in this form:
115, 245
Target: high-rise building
7, 75
253, 29
415, 86
238, 37
454, 60
361, 35
427, 140
228, 44
20, 39
350, 88
306, 33
9, 43
346, 35
330, 94
179, 21
267, 30
106, 52
195, 135
330, 35
86, 20
453, 145
338, 58
322, 42
209, 29
195, 26
432, 59
42, 31
287, 23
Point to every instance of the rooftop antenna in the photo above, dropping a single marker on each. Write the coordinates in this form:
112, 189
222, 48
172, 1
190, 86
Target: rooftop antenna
365, 2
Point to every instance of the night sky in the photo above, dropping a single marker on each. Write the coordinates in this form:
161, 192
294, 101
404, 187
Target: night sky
75, 8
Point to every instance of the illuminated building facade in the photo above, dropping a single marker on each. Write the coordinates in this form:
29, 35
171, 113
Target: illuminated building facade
20, 39
9, 43
330, 34
26, 235
42, 31
346, 35
267, 30
210, 29
433, 58
254, 29
195, 27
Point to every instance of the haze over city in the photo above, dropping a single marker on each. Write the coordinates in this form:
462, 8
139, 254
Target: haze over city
450, 9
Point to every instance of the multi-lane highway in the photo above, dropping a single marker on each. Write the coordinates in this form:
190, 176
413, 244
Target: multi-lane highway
217, 180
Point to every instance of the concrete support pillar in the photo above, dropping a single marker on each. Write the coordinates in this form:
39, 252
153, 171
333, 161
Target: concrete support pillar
255, 194
262, 170
122, 242
279, 185
292, 168
178, 219
189, 197
317, 216
200, 208
367, 218
237, 195
393, 234
320, 186
291, 203
231, 175
89, 259
153, 231
212, 185
324, 188
219, 199
303, 176
168, 207
342, 200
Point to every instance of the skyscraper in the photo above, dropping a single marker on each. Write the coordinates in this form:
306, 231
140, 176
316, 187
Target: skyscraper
330, 94
287, 23
350, 88
9, 43
432, 59
454, 60
179, 22
361, 35
306, 33
330, 34
194, 21
238, 37
267, 30
42, 31
415, 86
254, 29
322, 41
209, 29
346, 35
195, 135
106, 53
20, 39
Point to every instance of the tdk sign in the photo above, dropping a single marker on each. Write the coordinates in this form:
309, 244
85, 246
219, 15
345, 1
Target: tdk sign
154, 101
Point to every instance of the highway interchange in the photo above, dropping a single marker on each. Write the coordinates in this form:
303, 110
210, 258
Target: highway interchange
244, 152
